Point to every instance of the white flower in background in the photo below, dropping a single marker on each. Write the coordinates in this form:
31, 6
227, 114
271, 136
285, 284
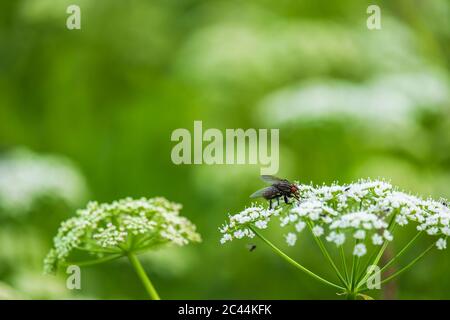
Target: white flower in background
363, 210
209, 59
26, 177
390, 102
124, 225
360, 250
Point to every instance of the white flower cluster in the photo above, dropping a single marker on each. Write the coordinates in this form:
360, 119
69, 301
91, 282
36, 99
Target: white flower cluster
390, 101
122, 226
26, 177
239, 224
362, 211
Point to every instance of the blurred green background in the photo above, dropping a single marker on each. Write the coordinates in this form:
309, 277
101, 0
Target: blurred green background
349, 102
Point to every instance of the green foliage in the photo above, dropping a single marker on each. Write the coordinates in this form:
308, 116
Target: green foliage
108, 97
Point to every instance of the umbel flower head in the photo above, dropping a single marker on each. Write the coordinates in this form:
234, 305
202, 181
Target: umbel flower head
103, 232
360, 211
363, 214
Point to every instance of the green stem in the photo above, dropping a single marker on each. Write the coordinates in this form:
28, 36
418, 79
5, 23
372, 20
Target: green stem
295, 263
364, 270
344, 263
351, 296
143, 276
94, 261
98, 250
327, 256
409, 265
355, 263
391, 228
398, 255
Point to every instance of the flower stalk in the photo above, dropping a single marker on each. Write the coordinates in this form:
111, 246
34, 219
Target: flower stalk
295, 263
143, 277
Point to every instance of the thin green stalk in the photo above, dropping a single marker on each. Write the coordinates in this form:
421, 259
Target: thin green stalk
344, 263
328, 257
98, 250
358, 261
400, 253
391, 228
143, 276
363, 271
409, 265
351, 296
355, 264
93, 261
295, 263
145, 248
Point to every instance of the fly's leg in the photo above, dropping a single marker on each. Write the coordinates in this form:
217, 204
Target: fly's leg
270, 203
286, 200
278, 201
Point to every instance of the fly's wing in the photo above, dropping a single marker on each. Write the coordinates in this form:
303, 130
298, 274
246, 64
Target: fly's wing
271, 179
262, 192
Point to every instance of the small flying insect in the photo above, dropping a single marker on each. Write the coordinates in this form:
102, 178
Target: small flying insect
251, 247
279, 188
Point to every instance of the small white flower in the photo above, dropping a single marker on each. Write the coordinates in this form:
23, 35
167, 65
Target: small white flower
337, 238
299, 226
367, 225
446, 231
360, 234
441, 244
254, 215
291, 238
401, 220
377, 239
239, 234
317, 231
387, 235
433, 231
261, 224
331, 236
284, 221
226, 237
359, 250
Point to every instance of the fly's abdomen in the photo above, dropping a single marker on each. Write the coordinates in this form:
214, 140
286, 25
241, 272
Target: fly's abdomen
271, 193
